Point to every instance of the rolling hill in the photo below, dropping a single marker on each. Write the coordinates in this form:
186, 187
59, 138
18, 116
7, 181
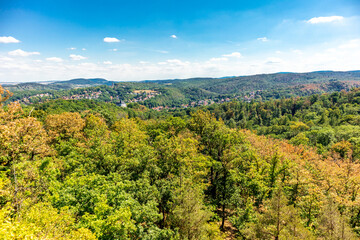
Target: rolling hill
182, 92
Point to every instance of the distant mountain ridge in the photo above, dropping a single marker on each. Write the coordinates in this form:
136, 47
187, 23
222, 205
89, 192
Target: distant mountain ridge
85, 81
273, 77
182, 92
58, 85
234, 85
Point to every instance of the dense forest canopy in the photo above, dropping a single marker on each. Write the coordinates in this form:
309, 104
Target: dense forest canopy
87, 169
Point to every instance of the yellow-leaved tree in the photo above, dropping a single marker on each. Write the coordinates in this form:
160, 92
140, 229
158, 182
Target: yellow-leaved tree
25, 154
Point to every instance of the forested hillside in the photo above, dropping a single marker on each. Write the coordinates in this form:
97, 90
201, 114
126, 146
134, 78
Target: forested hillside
189, 92
233, 85
327, 121
81, 169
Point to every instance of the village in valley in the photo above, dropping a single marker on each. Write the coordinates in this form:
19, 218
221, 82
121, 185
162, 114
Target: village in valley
135, 96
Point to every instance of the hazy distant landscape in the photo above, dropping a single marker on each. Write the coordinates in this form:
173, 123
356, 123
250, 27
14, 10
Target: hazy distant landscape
185, 93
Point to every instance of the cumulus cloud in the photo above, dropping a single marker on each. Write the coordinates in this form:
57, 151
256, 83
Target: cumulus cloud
316, 20
234, 54
21, 53
72, 48
112, 40
218, 59
173, 36
54, 59
8, 39
107, 62
84, 49
178, 62
263, 39
77, 57
174, 62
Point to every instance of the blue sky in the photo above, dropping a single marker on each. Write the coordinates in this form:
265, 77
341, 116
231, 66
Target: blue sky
137, 40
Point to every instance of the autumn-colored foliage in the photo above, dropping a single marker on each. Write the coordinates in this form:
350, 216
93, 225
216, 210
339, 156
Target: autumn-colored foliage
66, 125
78, 176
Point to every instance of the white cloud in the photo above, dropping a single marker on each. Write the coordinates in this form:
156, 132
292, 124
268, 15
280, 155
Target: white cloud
162, 51
335, 55
6, 59
234, 54
107, 62
297, 51
173, 36
218, 59
8, 39
273, 60
263, 39
21, 53
354, 43
316, 20
173, 62
114, 50
54, 59
112, 40
88, 65
178, 62
77, 57
72, 48
84, 49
